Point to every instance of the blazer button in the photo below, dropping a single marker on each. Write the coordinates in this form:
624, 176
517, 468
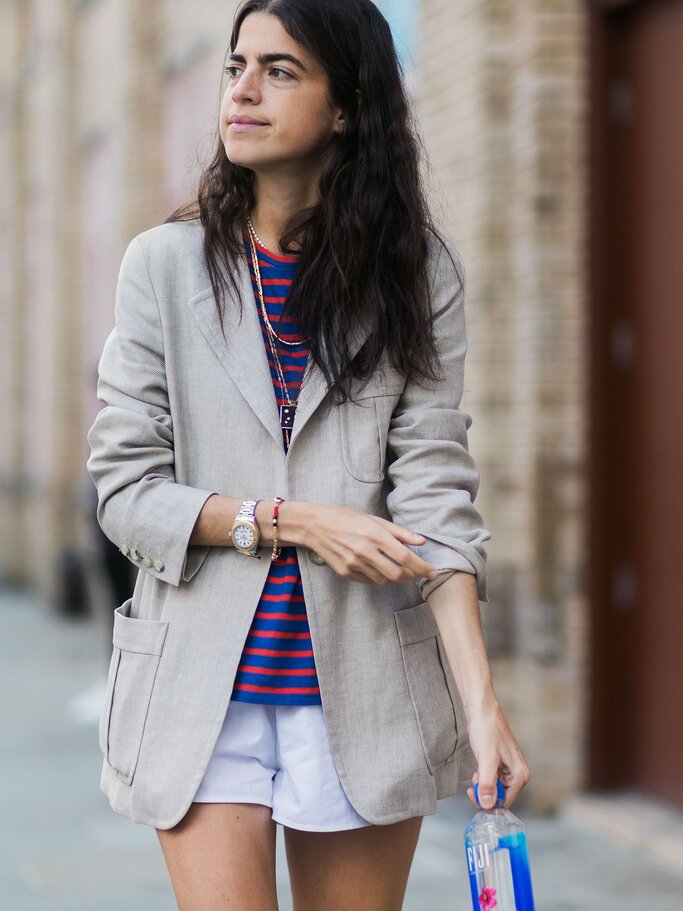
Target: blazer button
158, 565
134, 554
125, 550
316, 558
147, 560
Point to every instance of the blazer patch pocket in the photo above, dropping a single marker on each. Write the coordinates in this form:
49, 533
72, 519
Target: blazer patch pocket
364, 433
137, 648
429, 682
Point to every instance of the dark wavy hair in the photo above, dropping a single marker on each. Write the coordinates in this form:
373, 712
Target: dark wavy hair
363, 247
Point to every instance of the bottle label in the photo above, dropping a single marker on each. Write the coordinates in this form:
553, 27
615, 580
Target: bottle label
491, 880
478, 858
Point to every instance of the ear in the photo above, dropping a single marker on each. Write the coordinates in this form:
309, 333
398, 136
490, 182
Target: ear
340, 122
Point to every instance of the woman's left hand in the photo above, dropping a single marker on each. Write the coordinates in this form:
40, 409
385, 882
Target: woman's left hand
497, 753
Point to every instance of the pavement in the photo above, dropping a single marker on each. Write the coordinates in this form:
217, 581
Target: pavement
63, 849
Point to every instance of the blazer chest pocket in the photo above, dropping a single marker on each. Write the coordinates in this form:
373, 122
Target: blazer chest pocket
430, 682
364, 432
137, 648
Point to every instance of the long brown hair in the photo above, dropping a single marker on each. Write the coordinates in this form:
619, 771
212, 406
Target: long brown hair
363, 249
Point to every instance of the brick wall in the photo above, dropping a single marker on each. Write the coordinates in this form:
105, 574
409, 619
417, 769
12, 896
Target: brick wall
501, 97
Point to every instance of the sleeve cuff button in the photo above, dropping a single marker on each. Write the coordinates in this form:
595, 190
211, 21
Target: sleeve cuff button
316, 558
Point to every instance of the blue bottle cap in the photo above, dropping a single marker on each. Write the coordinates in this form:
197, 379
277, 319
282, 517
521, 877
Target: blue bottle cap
500, 795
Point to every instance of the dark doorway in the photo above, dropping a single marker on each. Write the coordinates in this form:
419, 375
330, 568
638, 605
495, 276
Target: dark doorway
636, 407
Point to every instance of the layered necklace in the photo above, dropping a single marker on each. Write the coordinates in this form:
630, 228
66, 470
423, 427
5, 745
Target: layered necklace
288, 409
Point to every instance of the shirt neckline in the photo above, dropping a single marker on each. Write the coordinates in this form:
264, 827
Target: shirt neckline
291, 258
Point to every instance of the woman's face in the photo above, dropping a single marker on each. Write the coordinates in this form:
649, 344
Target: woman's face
290, 100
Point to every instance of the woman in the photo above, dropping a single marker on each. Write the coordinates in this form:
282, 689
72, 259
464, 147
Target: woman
282, 454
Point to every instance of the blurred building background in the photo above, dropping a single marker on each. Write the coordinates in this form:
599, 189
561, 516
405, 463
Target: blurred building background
554, 132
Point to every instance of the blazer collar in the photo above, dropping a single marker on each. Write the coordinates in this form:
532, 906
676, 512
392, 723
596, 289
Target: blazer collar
242, 353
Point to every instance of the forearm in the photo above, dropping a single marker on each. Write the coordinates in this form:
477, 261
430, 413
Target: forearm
218, 513
456, 610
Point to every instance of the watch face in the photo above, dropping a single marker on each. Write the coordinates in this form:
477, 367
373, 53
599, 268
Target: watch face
244, 536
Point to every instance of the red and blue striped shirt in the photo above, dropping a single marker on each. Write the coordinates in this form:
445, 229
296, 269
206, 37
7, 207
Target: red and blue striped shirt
277, 665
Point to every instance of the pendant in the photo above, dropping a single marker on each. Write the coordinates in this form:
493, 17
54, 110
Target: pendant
287, 416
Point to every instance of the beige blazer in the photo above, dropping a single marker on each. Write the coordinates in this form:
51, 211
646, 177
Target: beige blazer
187, 414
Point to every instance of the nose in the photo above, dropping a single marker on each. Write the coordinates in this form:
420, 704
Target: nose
246, 87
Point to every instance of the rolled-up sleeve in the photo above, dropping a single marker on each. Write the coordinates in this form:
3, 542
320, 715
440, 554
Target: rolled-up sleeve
141, 508
433, 476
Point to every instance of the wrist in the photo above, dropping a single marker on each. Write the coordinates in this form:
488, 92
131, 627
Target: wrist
480, 701
294, 522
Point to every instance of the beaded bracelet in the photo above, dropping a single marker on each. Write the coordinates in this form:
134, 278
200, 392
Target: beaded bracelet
276, 550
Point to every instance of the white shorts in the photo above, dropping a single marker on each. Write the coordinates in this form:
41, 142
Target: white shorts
279, 756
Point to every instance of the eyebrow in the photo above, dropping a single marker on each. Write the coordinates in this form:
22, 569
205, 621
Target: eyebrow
264, 59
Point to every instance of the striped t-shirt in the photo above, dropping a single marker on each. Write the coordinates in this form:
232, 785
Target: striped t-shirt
277, 665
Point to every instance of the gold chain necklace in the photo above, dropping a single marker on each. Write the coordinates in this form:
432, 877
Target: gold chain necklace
288, 410
257, 272
253, 231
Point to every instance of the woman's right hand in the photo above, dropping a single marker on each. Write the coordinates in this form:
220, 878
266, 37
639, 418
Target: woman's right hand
363, 547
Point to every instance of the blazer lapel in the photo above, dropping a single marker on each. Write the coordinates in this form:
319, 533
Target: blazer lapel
242, 353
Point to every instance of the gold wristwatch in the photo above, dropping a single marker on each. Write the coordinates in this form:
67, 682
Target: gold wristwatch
244, 533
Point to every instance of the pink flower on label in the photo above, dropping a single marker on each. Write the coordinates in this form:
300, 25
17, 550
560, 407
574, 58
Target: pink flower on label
487, 899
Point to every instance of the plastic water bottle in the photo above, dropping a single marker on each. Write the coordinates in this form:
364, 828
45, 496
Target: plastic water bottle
497, 859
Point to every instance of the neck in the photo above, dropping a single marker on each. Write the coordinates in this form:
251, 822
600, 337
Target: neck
277, 202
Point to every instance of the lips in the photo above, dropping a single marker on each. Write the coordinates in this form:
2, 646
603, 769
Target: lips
237, 126
243, 118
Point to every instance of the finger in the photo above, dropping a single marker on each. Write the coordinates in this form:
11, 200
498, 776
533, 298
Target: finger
488, 780
401, 532
372, 572
342, 570
513, 782
357, 565
390, 568
402, 554
415, 565
470, 791
404, 557
358, 577
513, 772
334, 560
470, 794
512, 789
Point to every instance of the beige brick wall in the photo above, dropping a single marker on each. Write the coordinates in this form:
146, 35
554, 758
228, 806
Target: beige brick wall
108, 106
501, 94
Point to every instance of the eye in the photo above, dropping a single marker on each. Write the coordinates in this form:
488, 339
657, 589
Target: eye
280, 70
273, 69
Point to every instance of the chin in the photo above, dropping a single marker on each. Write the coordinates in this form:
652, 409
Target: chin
253, 162
244, 161
238, 156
